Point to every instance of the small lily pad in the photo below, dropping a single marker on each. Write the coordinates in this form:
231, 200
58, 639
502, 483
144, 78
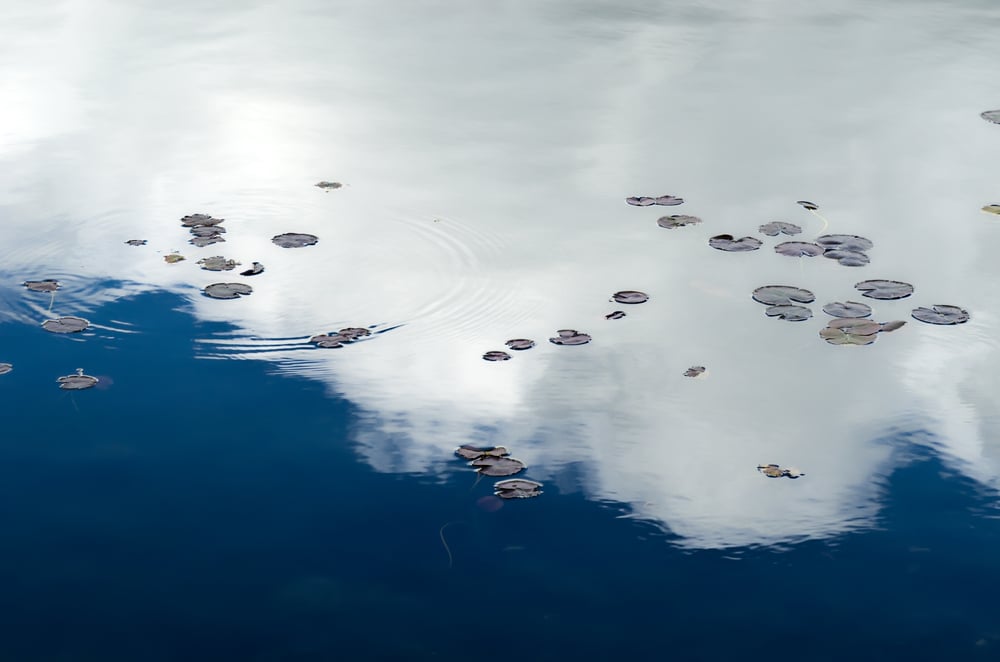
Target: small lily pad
520, 344
570, 337
195, 220
630, 296
992, 209
726, 242
775, 471
5, 368
207, 230
941, 314
217, 263
782, 295
295, 239
47, 285
330, 341
77, 382
641, 201
847, 258
227, 290
991, 116
798, 249
789, 313
328, 186
67, 324
663, 200
136, 242
472, 452
616, 315
886, 327
354, 332
846, 242
669, 200
847, 309
694, 371
774, 228
811, 206
202, 242
489, 465
850, 331
496, 355
173, 258
255, 268
886, 290
517, 488
677, 221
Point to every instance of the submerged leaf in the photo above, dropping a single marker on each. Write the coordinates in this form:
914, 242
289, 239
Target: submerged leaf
782, 295
798, 249
496, 356
677, 221
47, 285
227, 290
789, 313
941, 314
77, 382
570, 337
884, 289
517, 488
774, 228
630, 296
726, 242
295, 239
520, 344
67, 324
847, 309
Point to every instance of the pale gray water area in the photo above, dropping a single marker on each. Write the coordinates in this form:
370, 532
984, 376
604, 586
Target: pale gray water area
486, 151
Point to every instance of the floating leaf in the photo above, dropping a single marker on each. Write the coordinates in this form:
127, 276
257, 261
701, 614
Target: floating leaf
207, 230
847, 258
798, 249
847, 309
472, 452
173, 258
570, 337
136, 242
850, 331
354, 332
616, 315
782, 295
227, 290
201, 242
694, 371
641, 201
846, 242
328, 186
255, 268
884, 289
669, 200
886, 327
330, 341
774, 228
517, 488
67, 324
811, 206
295, 239
677, 221
5, 368
992, 209
496, 356
489, 465
941, 314
630, 296
646, 201
789, 313
775, 471
726, 242
217, 263
77, 382
194, 220
520, 344
47, 285
991, 116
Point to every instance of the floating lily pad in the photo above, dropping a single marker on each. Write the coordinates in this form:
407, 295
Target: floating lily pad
517, 488
646, 201
354, 332
520, 344
798, 249
941, 314
328, 186
5, 368
472, 452
677, 221
850, 331
330, 341
570, 337
789, 313
884, 289
496, 355
886, 327
847, 242
847, 258
47, 285
726, 242
227, 290
217, 263
775, 471
694, 371
811, 206
782, 295
630, 296
207, 230
616, 315
136, 242
295, 239
201, 242
255, 268
992, 209
774, 228
67, 324
173, 258
847, 309
641, 201
991, 116
77, 382
195, 220
489, 465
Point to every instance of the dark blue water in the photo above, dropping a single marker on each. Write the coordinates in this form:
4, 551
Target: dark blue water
213, 510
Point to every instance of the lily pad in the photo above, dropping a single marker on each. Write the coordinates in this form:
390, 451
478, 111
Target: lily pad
354, 332
472, 452
201, 242
136, 242
789, 313
677, 221
570, 337
811, 206
207, 230
517, 488
782, 295
520, 344
941, 314
630, 296
496, 356
67, 324
227, 290
616, 315
992, 209
774, 228
886, 290
798, 249
991, 116
489, 465
330, 341
726, 242
663, 200
5, 368
775, 471
255, 268
173, 258
77, 382
845, 242
641, 201
847, 309
47, 285
295, 239
886, 327
217, 263
195, 220
847, 258
328, 186
850, 331
694, 371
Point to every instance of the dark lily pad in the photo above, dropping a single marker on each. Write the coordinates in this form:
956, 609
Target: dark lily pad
847, 258
5, 368
886, 290
195, 220
173, 258
47, 285
886, 327
991, 116
295, 239
330, 341
694, 371
217, 263
798, 249
67, 324
570, 337
136, 242
677, 221
941, 314
496, 356
774, 228
255, 268
789, 313
328, 186
782, 295
726, 242
616, 315
489, 465
847, 309
520, 344
227, 290
77, 382
472, 452
850, 331
992, 209
775, 471
517, 488
630, 296
811, 206
354, 332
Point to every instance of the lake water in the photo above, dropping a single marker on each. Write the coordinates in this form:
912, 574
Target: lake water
228, 491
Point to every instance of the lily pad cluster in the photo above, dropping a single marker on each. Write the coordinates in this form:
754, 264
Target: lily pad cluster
776, 471
77, 382
490, 461
847, 249
340, 338
784, 302
647, 201
206, 229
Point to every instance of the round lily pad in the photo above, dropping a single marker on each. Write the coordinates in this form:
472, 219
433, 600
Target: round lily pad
886, 327
884, 289
520, 344
663, 200
47, 285
798, 249
641, 201
207, 230
677, 221
941, 314
726, 242
227, 290
846, 242
811, 206
991, 116
847, 258
847, 309
992, 209
472, 452
616, 315
328, 186
136, 242
789, 313
67, 324
5, 368
782, 295
517, 488
331, 340
570, 337
77, 382
173, 258
489, 465
295, 239
630, 296
850, 331
694, 371
201, 242
255, 268
774, 228
195, 220
496, 356
217, 263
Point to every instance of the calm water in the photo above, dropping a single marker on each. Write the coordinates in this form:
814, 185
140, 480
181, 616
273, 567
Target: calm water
229, 492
